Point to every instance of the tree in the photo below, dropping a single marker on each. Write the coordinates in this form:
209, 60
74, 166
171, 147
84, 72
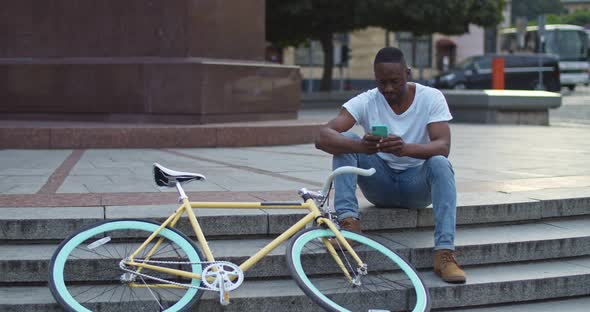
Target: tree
297, 21
290, 22
578, 17
451, 17
533, 8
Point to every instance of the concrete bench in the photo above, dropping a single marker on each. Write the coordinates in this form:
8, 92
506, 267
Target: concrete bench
472, 106
502, 106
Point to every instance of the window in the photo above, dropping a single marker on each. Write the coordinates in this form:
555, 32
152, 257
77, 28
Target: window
302, 52
417, 49
484, 63
303, 57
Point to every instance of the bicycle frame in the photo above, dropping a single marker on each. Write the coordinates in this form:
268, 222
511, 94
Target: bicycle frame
187, 207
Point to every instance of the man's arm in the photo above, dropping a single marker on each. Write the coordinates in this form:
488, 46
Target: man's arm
332, 141
440, 143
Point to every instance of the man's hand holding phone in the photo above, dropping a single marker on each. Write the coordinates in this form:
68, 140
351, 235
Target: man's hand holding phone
371, 140
391, 144
385, 142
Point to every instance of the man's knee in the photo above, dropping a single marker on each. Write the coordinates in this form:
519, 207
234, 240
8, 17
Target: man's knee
346, 159
439, 165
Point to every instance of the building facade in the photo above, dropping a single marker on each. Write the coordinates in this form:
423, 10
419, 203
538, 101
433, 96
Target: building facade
573, 5
426, 55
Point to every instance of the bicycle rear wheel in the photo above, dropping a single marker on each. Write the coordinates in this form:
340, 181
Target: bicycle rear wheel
384, 288
84, 272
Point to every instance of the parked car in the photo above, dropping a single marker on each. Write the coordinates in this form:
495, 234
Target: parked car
521, 72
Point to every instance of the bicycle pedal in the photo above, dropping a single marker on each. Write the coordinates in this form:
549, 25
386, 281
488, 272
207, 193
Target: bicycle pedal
224, 298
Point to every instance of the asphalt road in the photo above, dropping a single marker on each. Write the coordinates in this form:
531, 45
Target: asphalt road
574, 110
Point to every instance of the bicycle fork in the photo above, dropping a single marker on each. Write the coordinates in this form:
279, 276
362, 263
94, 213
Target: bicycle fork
345, 246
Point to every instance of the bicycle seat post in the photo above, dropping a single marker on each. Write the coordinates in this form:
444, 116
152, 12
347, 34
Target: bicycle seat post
180, 192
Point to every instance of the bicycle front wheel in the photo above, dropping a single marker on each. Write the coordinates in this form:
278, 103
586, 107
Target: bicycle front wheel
384, 288
85, 275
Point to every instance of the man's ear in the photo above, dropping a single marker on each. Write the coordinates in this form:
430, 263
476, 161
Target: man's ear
408, 73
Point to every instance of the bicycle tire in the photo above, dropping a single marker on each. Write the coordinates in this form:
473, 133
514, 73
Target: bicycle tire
92, 272
322, 280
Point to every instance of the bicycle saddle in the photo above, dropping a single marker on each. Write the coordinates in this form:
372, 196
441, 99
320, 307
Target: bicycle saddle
168, 177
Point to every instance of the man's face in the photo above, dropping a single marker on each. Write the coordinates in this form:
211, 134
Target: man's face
391, 81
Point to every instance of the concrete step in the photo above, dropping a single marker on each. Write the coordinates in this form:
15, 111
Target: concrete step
476, 244
579, 304
487, 285
53, 223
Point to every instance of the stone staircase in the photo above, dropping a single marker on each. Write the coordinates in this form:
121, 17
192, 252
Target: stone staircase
520, 251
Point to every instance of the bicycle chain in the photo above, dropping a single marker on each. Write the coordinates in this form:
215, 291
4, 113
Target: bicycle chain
122, 266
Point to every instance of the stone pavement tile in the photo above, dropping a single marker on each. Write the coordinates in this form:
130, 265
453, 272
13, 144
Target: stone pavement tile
4, 188
32, 159
241, 180
263, 160
318, 175
87, 179
492, 174
553, 182
121, 188
93, 171
486, 186
139, 161
522, 185
72, 188
299, 149
563, 170
84, 184
29, 188
26, 171
23, 180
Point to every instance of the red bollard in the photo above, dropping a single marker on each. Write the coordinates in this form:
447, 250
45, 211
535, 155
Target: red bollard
498, 73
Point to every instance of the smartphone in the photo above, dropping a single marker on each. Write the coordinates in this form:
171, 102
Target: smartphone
380, 131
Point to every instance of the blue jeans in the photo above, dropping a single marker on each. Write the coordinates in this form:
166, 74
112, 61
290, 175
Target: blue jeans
432, 182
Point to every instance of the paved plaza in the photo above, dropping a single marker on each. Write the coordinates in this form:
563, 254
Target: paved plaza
490, 159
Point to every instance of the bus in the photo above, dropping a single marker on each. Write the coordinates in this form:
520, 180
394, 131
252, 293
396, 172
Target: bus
568, 42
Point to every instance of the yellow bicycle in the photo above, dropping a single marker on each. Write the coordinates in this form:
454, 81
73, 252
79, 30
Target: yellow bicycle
133, 264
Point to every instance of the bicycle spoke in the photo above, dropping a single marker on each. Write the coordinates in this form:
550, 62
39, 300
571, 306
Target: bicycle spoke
93, 276
318, 274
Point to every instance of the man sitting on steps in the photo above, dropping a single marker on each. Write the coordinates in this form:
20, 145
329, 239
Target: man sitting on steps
411, 161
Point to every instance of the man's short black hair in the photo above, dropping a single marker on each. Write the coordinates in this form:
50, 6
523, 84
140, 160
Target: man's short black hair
390, 55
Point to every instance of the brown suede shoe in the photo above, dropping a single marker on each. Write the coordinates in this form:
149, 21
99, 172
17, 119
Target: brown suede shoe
445, 266
349, 224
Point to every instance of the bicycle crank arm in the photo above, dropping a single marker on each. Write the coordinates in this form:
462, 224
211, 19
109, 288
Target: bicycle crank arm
223, 293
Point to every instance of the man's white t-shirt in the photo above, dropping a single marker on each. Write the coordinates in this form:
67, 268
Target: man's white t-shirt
370, 108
